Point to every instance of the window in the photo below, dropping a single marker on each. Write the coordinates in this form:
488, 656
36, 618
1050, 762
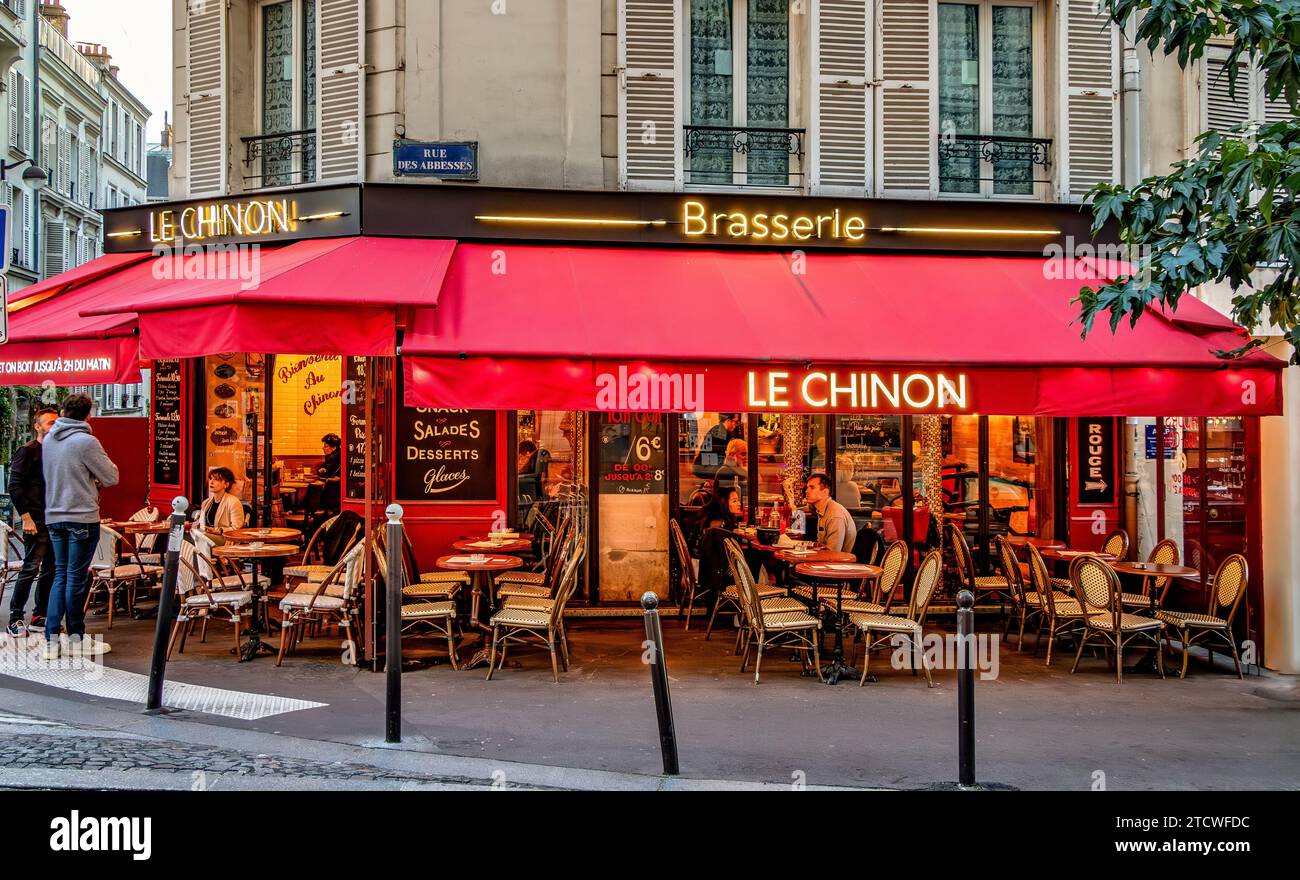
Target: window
740, 76
986, 87
869, 469
115, 128
288, 92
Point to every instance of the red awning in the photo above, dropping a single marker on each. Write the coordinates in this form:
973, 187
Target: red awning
541, 326
50, 341
324, 296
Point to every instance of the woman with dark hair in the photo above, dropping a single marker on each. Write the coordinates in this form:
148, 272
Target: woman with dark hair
221, 510
718, 522
329, 469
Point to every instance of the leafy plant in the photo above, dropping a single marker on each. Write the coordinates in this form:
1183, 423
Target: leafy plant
1230, 211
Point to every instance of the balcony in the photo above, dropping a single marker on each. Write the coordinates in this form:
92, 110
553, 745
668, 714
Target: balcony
752, 158
282, 159
965, 159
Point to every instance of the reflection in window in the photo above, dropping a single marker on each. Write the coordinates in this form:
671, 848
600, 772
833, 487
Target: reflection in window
869, 469
547, 456
711, 451
791, 448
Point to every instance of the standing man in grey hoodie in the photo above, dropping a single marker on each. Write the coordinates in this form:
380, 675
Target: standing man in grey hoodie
76, 466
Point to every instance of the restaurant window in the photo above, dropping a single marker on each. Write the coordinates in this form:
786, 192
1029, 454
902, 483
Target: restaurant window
1021, 451
548, 459
740, 78
288, 91
234, 389
986, 69
791, 448
711, 448
869, 468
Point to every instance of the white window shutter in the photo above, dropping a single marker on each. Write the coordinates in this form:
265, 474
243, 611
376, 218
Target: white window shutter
14, 115
56, 244
25, 129
25, 218
649, 107
906, 145
205, 40
341, 89
840, 147
1088, 134
83, 185
65, 161
15, 222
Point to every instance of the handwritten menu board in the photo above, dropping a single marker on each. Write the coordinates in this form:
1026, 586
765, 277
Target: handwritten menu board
446, 454
354, 438
167, 417
633, 454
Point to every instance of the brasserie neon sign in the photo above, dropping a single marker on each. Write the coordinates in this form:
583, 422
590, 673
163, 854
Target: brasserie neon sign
226, 220
773, 389
698, 221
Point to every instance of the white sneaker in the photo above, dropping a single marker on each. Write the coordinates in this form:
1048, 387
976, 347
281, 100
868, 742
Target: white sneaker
79, 646
50, 650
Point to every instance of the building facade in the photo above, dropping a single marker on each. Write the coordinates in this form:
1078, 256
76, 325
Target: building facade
86, 131
965, 106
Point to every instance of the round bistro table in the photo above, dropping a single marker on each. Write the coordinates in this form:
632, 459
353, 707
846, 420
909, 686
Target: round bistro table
839, 573
277, 535
250, 553
481, 575
491, 545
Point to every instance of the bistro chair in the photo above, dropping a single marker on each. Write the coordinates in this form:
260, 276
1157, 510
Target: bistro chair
11, 554
909, 626
1011, 572
1225, 598
731, 600
431, 607
1154, 589
764, 627
520, 626
205, 596
332, 600
981, 586
893, 566
1097, 589
1116, 544
313, 556
1057, 611
424, 584
540, 584
689, 582
145, 545
110, 573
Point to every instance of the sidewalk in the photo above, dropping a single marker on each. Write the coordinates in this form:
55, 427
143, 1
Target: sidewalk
1037, 727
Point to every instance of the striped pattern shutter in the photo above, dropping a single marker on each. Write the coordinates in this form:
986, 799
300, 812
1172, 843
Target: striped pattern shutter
1088, 139
25, 129
840, 156
65, 161
340, 91
649, 112
23, 216
205, 41
14, 115
56, 245
906, 146
1223, 107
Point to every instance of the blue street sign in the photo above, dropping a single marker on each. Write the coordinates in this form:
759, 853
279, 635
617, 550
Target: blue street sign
448, 160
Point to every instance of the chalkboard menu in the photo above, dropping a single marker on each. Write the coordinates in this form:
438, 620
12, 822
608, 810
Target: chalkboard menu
167, 420
354, 415
446, 454
633, 454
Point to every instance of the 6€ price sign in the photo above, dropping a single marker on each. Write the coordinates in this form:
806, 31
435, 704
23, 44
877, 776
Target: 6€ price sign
633, 453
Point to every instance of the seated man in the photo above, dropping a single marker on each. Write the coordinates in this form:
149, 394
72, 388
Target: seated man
835, 527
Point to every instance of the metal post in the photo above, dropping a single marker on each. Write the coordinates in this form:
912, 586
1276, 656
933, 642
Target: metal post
654, 645
393, 629
166, 603
966, 687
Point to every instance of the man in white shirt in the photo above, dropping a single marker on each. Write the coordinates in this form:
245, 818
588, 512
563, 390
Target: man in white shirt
835, 527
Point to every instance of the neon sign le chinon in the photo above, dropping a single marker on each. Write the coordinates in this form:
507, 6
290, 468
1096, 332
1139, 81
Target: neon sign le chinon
230, 219
870, 391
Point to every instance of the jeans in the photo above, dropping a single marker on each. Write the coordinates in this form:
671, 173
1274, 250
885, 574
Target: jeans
74, 548
36, 558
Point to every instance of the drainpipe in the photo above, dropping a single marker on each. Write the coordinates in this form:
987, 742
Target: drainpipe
35, 135
1130, 105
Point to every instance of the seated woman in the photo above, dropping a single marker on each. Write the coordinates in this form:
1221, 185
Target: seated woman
329, 468
221, 510
718, 522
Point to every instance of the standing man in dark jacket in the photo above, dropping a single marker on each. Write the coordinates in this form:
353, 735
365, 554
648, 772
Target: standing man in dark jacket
27, 489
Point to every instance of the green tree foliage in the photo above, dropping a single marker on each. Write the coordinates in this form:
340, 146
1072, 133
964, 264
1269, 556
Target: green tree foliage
1230, 210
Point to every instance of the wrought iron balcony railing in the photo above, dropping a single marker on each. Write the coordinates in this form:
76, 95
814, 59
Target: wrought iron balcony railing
771, 156
996, 149
286, 157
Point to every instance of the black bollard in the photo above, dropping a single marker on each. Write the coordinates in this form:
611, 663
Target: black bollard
393, 627
659, 677
966, 687
166, 604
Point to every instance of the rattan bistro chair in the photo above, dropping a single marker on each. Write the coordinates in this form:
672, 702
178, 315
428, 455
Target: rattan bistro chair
11, 557
541, 584
1097, 589
110, 573
1056, 611
332, 599
731, 599
1154, 589
433, 612
909, 626
981, 586
1226, 596
1116, 544
763, 627
689, 581
206, 594
519, 626
893, 566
